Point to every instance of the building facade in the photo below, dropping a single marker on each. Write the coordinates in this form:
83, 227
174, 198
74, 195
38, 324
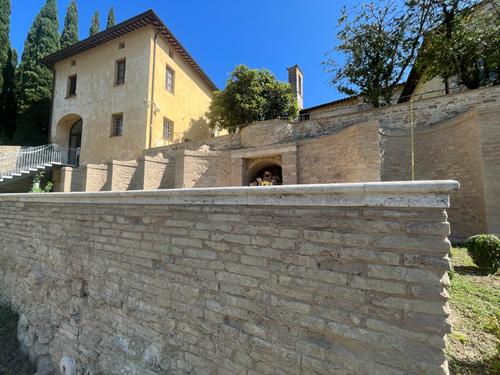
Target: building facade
127, 89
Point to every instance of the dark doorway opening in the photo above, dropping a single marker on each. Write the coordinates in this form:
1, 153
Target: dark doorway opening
275, 170
75, 141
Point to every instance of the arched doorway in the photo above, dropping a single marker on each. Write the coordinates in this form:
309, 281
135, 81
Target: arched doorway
68, 133
68, 126
256, 167
75, 141
75, 135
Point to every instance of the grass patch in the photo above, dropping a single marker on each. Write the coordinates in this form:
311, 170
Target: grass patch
473, 345
12, 361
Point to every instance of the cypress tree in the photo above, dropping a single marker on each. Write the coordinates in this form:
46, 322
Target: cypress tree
8, 99
95, 27
4, 35
35, 80
69, 35
111, 18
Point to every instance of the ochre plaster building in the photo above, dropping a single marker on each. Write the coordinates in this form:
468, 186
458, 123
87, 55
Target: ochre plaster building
127, 89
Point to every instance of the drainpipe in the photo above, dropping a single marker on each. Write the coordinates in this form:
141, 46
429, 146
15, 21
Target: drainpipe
152, 91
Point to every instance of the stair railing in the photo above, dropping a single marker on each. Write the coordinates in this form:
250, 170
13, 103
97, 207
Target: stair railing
39, 156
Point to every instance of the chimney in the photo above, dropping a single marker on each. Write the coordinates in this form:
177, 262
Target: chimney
296, 80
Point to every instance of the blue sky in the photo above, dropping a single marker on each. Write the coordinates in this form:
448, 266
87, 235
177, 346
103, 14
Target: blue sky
221, 34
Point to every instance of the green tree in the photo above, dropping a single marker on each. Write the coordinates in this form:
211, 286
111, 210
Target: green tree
464, 43
7, 75
379, 42
250, 95
4, 35
35, 80
95, 26
69, 34
8, 99
111, 18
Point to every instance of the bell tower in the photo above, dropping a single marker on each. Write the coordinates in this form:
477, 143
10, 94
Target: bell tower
296, 80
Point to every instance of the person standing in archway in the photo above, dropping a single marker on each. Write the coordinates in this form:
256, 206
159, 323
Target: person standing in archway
266, 180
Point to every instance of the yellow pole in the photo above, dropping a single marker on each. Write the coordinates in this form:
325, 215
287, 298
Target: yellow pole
412, 144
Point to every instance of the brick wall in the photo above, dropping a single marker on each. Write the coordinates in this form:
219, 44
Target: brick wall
351, 155
9, 149
489, 121
451, 149
123, 175
7, 158
72, 179
315, 279
95, 177
426, 112
158, 173
202, 169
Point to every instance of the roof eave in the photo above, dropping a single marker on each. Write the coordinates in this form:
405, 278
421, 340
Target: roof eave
135, 23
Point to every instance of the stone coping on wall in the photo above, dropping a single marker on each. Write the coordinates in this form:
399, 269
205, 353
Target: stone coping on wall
432, 193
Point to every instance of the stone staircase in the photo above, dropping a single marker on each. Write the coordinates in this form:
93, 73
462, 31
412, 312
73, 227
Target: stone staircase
25, 162
26, 173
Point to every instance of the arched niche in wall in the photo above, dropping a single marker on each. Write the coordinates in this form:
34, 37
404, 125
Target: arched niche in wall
255, 167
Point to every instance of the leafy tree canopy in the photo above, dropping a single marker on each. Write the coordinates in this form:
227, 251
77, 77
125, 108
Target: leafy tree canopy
250, 95
464, 42
70, 31
111, 18
95, 26
379, 41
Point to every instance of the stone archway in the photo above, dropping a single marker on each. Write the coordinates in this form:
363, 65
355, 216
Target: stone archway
246, 164
69, 131
255, 167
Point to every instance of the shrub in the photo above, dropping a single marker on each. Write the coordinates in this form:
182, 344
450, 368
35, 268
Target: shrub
484, 249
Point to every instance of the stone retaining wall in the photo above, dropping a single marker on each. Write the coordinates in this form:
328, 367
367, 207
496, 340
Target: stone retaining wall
313, 279
437, 151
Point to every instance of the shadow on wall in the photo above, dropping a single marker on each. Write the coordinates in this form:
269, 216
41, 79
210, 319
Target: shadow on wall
207, 169
77, 180
137, 180
63, 128
198, 129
